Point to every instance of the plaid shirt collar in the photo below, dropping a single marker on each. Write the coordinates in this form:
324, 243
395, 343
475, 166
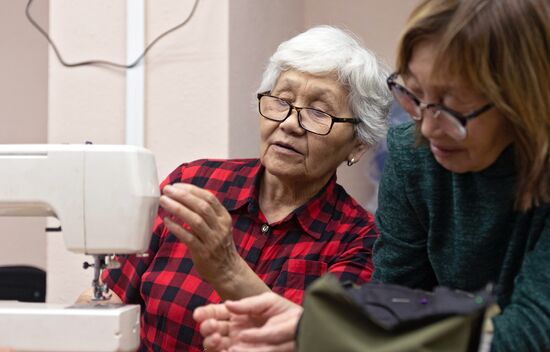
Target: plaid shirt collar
313, 216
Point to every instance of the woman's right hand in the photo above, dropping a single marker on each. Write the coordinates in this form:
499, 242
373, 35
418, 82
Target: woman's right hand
198, 219
265, 323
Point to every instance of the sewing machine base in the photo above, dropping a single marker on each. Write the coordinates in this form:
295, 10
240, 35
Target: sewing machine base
39, 327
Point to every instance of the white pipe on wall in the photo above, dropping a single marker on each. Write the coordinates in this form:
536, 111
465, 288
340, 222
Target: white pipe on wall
135, 77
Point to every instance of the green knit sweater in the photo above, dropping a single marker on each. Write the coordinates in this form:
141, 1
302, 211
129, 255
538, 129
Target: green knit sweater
461, 231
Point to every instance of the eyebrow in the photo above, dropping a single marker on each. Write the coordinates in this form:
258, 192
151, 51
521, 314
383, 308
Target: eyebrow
325, 94
452, 90
446, 87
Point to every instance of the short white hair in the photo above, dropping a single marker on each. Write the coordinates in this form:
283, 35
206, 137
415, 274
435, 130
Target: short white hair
327, 49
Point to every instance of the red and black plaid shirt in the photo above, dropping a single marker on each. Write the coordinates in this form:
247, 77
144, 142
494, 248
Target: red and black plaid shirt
330, 233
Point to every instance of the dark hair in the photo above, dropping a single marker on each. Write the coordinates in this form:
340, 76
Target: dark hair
501, 48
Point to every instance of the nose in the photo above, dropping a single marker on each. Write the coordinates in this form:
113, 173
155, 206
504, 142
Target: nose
430, 126
291, 124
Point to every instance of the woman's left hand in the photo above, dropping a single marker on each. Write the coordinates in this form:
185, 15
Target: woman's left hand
265, 322
200, 221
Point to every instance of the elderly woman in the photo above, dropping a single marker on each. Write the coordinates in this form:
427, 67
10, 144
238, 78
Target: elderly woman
465, 195
229, 229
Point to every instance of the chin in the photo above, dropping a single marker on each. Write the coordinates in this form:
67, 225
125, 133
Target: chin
454, 166
283, 169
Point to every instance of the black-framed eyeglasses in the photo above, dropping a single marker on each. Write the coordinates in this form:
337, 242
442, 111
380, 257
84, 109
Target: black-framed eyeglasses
312, 120
452, 122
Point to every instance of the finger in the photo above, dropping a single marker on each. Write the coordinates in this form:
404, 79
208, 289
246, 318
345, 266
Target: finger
212, 342
194, 243
203, 194
216, 343
212, 326
211, 311
197, 199
241, 320
283, 316
195, 221
254, 305
273, 334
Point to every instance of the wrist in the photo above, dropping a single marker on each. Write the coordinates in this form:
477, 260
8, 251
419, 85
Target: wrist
231, 274
239, 281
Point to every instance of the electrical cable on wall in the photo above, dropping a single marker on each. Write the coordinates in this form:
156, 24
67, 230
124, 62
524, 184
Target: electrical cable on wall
104, 62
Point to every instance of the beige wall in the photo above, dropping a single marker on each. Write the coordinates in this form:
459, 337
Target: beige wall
187, 83
200, 82
378, 23
23, 116
256, 28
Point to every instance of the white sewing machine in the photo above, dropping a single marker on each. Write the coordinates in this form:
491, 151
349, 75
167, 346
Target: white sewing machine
106, 199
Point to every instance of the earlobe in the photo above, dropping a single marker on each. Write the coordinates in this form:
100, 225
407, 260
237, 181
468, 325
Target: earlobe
357, 153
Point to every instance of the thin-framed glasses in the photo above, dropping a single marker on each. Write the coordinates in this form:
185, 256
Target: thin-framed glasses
312, 120
452, 122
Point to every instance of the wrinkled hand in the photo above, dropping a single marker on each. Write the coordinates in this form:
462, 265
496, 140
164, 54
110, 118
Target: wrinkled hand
262, 323
207, 229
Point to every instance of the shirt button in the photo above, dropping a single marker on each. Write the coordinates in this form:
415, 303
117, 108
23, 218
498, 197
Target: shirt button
265, 228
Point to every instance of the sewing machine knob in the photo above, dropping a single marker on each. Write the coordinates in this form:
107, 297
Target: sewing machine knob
87, 265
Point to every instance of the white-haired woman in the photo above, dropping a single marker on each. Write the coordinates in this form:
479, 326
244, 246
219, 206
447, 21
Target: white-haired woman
230, 229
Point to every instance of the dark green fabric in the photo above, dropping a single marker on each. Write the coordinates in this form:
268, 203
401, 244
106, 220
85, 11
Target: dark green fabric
460, 231
334, 322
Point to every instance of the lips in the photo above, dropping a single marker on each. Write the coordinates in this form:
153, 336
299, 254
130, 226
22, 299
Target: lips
286, 146
442, 151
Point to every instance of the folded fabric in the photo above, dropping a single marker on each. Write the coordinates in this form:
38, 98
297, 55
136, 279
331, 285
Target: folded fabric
381, 317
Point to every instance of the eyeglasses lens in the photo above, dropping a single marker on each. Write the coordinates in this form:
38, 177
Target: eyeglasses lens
451, 126
273, 108
407, 102
447, 122
315, 121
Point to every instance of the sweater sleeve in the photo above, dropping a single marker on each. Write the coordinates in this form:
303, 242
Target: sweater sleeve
400, 255
524, 324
